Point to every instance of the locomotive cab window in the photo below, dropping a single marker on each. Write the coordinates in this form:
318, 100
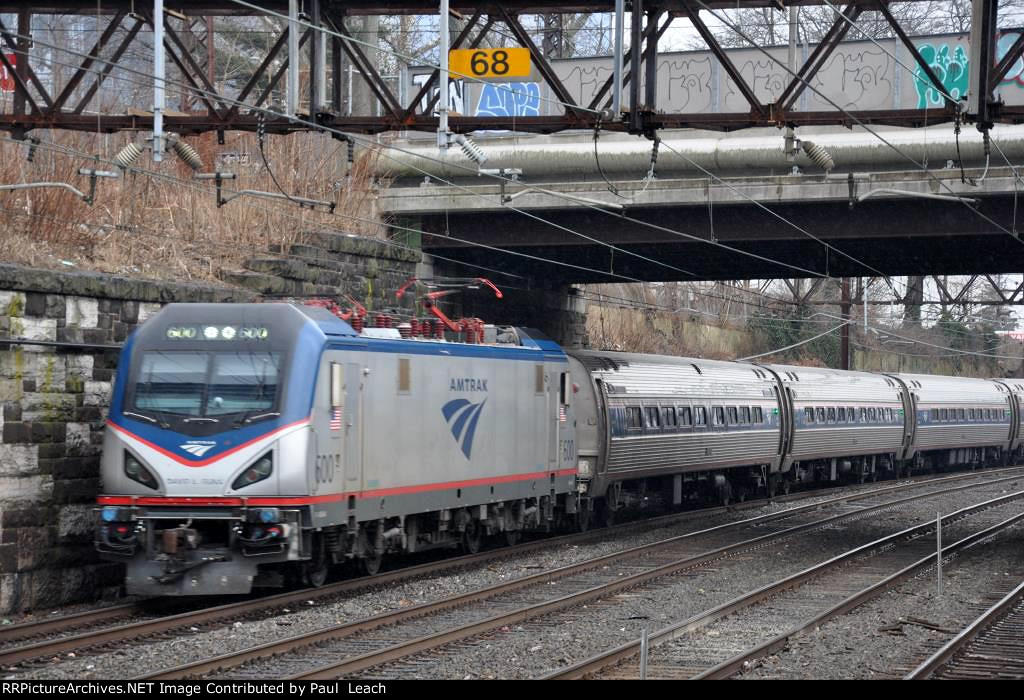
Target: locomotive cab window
565, 389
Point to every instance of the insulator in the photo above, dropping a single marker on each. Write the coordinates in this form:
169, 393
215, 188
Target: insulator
127, 155
472, 151
818, 155
414, 327
187, 154
357, 324
405, 330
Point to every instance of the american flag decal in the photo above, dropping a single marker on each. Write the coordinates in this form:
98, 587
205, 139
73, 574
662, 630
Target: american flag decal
561, 414
336, 414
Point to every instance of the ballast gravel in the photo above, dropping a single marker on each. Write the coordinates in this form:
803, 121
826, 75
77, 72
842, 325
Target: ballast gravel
530, 649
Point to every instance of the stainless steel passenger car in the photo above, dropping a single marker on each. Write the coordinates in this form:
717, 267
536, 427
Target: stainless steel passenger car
840, 421
958, 420
654, 423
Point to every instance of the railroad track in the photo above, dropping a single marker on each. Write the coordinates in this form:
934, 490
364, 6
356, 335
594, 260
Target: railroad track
56, 636
814, 595
991, 647
398, 636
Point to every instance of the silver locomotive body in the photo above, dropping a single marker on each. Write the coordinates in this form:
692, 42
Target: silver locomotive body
236, 461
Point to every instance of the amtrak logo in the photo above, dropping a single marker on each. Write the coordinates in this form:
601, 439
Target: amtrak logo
198, 450
462, 416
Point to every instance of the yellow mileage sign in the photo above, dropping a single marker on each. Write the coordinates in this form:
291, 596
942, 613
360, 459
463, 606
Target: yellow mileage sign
490, 63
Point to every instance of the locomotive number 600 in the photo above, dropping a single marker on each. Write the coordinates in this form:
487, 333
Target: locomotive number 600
326, 466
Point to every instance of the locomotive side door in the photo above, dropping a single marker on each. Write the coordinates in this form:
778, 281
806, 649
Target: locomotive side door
352, 428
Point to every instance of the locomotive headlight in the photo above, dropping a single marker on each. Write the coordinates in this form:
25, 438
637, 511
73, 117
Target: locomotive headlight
584, 468
134, 470
264, 515
211, 332
257, 471
228, 332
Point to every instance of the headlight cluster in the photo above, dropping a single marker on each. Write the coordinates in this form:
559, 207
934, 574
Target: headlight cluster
261, 469
134, 470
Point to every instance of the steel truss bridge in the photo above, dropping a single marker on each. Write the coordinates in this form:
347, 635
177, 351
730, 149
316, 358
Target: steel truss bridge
188, 43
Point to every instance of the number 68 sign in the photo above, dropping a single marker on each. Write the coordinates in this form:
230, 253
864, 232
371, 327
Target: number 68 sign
490, 63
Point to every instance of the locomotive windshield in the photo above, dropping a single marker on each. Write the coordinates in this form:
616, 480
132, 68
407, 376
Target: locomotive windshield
206, 384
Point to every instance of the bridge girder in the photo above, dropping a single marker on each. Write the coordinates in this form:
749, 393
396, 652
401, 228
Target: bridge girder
73, 106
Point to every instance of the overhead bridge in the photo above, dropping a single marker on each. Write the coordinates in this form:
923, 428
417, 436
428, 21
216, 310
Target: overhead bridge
720, 206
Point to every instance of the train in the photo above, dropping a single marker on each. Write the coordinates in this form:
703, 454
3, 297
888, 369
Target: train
259, 445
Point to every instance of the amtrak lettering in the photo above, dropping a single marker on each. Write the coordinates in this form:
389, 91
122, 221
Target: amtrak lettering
468, 384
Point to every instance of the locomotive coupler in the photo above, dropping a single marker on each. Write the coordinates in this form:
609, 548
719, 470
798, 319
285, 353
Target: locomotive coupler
173, 574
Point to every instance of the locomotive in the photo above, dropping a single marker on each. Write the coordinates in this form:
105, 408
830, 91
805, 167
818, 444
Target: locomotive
260, 444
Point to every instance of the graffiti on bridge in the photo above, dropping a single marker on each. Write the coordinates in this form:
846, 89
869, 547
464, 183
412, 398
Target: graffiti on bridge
950, 64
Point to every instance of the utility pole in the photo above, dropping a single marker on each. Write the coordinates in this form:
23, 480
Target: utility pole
844, 332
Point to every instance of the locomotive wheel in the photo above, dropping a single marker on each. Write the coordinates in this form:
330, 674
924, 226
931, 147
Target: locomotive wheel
472, 537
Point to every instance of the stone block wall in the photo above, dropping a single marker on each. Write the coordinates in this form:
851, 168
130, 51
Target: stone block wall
59, 338
328, 263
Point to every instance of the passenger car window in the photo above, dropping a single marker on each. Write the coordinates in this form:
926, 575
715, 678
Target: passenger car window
960, 413
851, 414
700, 415
831, 414
809, 415
758, 415
669, 417
684, 415
820, 414
842, 414
653, 417
744, 415
634, 417
718, 416
731, 414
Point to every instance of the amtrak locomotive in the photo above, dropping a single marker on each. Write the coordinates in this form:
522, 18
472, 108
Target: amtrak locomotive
260, 444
